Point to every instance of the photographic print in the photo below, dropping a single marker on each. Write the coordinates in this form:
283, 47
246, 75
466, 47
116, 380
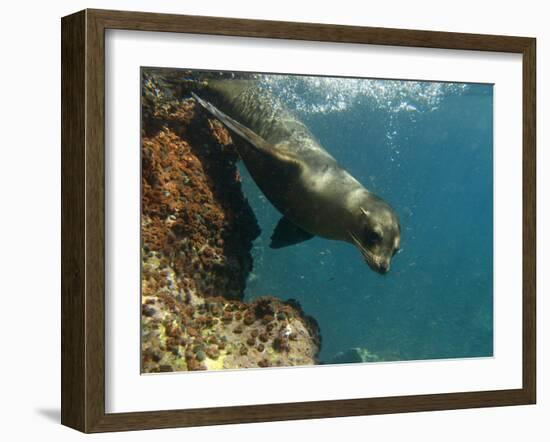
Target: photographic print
291, 220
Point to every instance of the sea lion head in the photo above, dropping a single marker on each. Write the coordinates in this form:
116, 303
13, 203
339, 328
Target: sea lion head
376, 232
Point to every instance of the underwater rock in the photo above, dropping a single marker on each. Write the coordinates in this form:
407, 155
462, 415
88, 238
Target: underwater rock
197, 232
199, 339
354, 355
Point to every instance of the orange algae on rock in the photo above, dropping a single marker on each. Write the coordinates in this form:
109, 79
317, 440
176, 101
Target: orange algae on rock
197, 232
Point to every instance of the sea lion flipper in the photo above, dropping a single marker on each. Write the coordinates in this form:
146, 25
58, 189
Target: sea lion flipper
287, 233
249, 135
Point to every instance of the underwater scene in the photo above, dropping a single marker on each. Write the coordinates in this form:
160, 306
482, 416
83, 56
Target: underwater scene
305, 220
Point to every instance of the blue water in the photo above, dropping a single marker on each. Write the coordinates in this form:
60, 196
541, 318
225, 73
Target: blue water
427, 149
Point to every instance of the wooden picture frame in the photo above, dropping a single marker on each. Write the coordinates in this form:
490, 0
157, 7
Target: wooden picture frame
83, 220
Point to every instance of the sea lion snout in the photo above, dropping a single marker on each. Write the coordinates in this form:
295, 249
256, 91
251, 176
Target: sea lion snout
379, 264
384, 267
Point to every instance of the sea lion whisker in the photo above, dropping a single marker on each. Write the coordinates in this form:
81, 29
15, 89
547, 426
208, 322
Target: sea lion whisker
357, 242
366, 253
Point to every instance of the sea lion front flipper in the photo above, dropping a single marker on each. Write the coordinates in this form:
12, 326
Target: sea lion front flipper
287, 234
249, 135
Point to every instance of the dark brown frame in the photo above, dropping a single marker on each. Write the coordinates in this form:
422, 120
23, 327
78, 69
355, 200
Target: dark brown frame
83, 215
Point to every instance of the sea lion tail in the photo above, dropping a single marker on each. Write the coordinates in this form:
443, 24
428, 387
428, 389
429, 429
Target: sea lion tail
235, 126
247, 134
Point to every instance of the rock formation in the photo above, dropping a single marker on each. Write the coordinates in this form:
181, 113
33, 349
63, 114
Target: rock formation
197, 231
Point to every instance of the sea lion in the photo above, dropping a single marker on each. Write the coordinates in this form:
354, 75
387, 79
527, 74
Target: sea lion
300, 178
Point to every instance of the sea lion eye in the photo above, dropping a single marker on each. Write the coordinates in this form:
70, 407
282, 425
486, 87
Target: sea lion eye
372, 236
